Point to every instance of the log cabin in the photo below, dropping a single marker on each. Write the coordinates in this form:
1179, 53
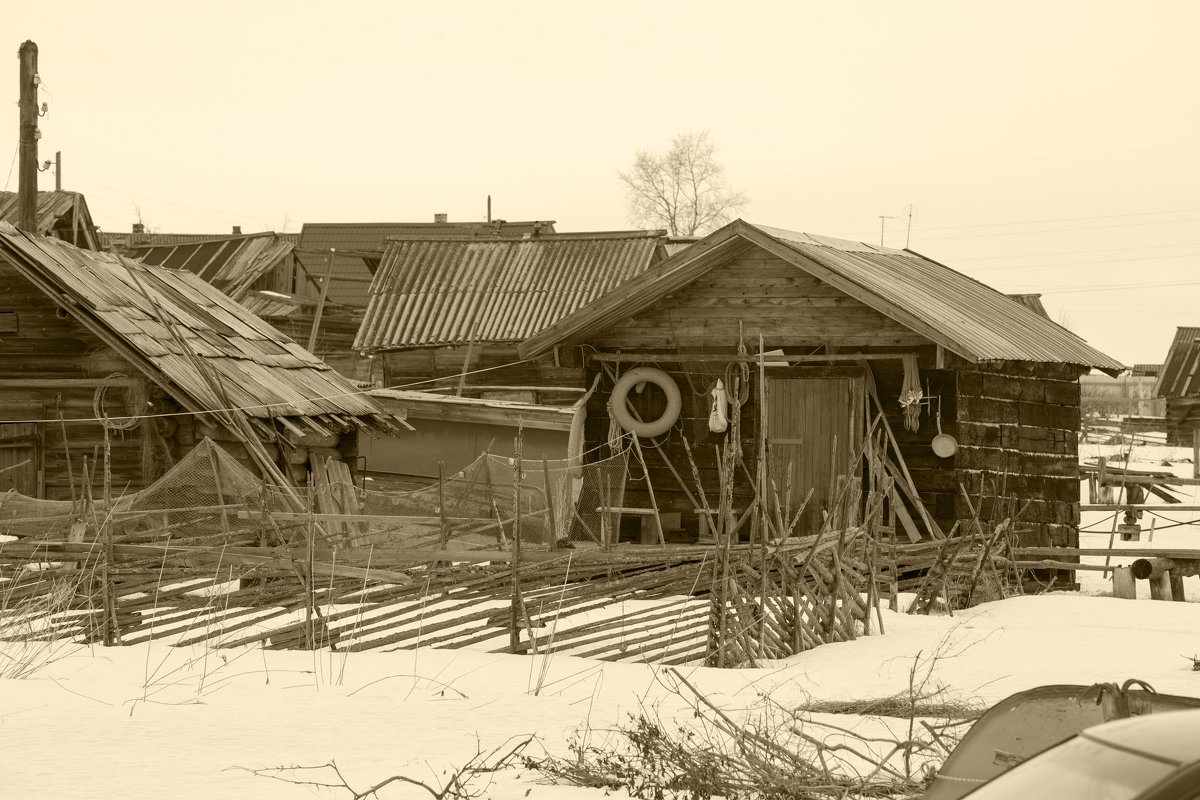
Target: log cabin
166, 357
849, 327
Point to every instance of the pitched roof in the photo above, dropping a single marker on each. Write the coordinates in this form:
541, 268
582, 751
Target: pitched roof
168, 322
1178, 377
1033, 302
125, 241
1146, 369
352, 271
231, 263
63, 215
965, 316
436, 291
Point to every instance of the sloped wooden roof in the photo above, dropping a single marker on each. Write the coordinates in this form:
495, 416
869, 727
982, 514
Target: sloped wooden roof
965, 316
167, 322
231, 263
63, 215
1180, 373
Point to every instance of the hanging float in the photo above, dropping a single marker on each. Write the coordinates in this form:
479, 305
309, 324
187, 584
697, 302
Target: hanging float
618, 408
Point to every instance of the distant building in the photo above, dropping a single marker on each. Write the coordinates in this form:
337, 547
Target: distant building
359, 248
60, 215
1179, 384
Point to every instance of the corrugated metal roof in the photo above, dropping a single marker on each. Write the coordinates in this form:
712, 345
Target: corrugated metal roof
1178, 377
232, 264
983, 324
352, 273
64, 215
156, 316
448, 291
1146, 369
966, 316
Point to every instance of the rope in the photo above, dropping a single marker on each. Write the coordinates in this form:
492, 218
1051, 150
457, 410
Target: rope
111, 423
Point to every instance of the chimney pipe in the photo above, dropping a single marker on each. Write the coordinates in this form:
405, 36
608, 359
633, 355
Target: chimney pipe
237, 230
440, 218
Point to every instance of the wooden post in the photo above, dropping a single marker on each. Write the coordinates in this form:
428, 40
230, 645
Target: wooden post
310, 633
316, 323
550, 520
27, 171
1160, 586
1177, 592
1196, 452
516, 607
637, 446
442, 503
1124, 586
111, 630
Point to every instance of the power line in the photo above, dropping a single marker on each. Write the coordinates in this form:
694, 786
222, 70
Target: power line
1045, 221
1078, 252
1085, 263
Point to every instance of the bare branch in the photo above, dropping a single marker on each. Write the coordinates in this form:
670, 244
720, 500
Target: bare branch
682, 190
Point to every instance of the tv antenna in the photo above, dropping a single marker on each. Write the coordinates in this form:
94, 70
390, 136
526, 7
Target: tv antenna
882, 218
910, 213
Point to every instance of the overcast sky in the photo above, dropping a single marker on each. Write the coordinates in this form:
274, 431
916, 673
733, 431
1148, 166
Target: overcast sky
1048, 147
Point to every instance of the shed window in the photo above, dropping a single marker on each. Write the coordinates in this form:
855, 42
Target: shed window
8, 322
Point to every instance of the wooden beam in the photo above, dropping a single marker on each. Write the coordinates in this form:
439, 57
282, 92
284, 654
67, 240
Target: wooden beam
704, 358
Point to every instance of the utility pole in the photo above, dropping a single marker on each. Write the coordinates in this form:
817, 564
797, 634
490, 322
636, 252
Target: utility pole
58, 170
27, 174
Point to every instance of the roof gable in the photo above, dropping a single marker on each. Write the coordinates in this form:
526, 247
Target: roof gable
438, 291
232, 263
167, 321
63, 215
1178, 376
967, 317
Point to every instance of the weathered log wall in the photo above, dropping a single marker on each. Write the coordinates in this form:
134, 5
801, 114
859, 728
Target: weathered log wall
1019, 443
50, 365
1182, 420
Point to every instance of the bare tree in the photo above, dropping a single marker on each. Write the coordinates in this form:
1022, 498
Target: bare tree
683, 189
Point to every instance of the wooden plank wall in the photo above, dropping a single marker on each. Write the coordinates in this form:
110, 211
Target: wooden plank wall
768, 296
49, 364
1018, 436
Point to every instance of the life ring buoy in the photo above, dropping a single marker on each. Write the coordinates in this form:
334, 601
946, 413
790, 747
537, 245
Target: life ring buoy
619, 408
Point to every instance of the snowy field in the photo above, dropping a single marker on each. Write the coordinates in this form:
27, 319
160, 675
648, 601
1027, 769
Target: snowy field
153, 721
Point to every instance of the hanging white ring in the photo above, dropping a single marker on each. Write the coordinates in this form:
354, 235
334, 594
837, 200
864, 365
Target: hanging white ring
619, 408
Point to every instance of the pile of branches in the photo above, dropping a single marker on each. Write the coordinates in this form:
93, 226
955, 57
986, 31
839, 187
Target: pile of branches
779, 754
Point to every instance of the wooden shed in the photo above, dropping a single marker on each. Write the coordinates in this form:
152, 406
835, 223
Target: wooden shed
441, 306
1178, 383
166, 357
847, 328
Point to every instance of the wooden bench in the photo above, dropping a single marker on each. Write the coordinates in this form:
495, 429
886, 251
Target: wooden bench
652, 525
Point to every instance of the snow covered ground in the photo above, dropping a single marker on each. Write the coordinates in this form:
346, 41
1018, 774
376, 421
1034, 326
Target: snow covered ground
153, 721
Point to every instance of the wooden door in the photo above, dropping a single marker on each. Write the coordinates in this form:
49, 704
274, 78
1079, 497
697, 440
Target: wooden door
21, 451
19, 458
814, 427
